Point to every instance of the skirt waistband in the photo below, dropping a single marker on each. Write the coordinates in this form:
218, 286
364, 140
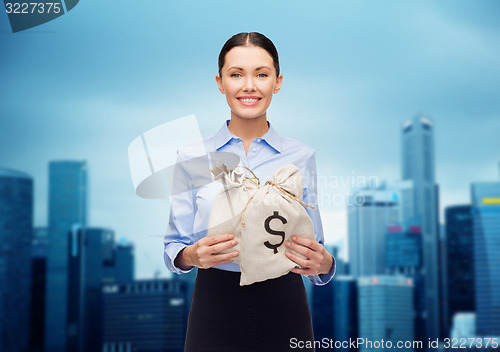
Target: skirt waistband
231, 279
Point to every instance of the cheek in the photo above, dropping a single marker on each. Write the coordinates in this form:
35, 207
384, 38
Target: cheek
231, 88
266, 88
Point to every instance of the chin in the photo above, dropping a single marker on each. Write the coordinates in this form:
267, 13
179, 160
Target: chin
248, 116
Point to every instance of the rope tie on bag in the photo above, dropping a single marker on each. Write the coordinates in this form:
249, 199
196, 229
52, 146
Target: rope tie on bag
288, 194
284, 191
251, 178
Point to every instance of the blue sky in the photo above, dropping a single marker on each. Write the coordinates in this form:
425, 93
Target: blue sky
86, 84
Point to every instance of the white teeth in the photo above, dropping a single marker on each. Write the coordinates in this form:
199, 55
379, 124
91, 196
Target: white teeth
246, 100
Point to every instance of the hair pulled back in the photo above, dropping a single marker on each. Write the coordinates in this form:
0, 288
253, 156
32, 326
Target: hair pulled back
249, 39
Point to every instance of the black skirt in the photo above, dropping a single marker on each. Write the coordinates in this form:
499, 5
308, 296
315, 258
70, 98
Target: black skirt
264, 316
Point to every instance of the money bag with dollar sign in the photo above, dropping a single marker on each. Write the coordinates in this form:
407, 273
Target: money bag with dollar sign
262, 218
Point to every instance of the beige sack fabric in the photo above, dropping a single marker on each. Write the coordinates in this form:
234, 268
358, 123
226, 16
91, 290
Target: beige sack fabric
262, 218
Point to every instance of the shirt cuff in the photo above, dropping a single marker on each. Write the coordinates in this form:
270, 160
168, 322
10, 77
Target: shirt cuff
323, 279
169, 255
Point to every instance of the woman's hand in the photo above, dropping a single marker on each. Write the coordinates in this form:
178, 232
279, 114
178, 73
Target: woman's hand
203, 253
318, 260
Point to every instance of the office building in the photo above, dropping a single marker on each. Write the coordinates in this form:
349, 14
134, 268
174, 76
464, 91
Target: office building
341, 267
67, 212
190, 279
370, 211
345, 309
93, 261
38, 286
123, 263
321, 303
486, 223
403, 249
404, 257
90, 250
322, 309
418, 166
16, 226
145, 315
459, 261
463, 325
385, 310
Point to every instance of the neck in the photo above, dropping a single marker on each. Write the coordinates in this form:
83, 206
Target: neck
248, 129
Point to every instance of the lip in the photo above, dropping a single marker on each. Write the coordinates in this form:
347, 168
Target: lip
252, 103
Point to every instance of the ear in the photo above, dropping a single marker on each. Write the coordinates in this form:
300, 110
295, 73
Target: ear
218, 79
277, 86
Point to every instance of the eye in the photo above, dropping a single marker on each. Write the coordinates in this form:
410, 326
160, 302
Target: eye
262, 75
236, 75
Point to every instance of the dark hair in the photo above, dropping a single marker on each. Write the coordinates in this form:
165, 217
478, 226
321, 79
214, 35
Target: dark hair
249, 39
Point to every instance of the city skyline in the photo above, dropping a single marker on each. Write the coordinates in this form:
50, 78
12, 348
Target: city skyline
353, 73
100, 245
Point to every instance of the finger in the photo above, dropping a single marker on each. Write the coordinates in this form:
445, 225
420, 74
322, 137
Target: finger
305, 251
223, 257
208, 241
219, 247
298, 260
210, 260
312, 244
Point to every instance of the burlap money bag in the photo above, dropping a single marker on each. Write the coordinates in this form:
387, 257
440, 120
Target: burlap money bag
273, 215
261, 218
225, 216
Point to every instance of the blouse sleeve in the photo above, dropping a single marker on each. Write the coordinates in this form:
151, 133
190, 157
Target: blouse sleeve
179, 233
310, 197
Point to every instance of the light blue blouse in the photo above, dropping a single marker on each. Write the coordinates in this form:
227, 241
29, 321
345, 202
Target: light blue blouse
190, 209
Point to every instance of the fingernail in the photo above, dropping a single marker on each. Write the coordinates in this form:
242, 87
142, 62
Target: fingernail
288, 254
294, 238
288, 243
233, 242
235, 254
231, 236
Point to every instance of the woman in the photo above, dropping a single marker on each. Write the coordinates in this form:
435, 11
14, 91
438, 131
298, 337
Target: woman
264, 316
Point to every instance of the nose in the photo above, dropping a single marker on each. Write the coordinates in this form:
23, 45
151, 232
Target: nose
249, 85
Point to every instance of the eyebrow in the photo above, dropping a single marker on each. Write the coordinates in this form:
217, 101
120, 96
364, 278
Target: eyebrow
239, 68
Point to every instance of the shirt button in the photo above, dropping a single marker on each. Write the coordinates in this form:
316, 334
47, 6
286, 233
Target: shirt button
254, 149
258, 139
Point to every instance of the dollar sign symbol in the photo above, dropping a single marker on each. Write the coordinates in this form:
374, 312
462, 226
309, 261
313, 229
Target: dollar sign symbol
276, 215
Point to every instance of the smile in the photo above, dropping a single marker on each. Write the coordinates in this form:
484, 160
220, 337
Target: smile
249, 101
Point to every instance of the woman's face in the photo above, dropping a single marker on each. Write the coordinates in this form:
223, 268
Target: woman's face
248, 81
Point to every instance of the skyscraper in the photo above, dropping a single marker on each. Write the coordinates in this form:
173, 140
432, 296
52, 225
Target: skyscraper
16, 226
385, 309
322, 310
90, 250
145, 315
418, 166
404, 257
322, 303
67, 212
459, 262
486, 220
38, 286
124, 262
345, 308
463, 325
370, 211
403, 249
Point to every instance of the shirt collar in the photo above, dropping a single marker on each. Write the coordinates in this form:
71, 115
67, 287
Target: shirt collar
224, 136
